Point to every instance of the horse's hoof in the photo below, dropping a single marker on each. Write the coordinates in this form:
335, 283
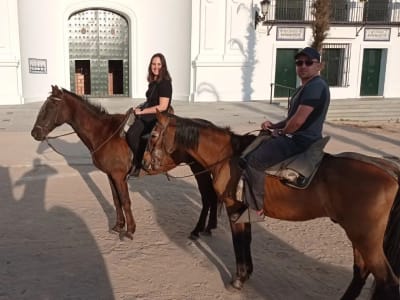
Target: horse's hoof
129, 235
206, 233
194, 236
237, 284
117, 228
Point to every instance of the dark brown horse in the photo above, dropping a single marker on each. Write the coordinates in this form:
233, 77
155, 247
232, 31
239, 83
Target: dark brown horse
362, 195
100, 132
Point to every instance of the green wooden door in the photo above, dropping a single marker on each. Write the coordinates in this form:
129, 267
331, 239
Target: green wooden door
285, 72
370, 72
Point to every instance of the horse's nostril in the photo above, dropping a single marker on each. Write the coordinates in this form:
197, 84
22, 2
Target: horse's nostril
37, 134
34, 134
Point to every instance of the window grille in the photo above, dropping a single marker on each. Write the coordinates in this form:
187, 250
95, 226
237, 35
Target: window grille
337, 64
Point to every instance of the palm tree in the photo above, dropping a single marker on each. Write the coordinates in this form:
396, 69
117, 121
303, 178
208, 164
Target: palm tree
320, 26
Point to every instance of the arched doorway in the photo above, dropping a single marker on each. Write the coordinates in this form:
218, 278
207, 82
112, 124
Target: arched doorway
99, 53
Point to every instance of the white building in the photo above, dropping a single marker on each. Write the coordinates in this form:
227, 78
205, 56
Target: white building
102, 48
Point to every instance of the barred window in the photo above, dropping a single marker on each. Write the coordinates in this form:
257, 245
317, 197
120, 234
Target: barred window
337, 61
290, 10
340, 10
376, 10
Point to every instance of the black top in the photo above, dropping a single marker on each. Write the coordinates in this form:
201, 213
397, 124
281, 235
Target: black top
314, 93
157, 90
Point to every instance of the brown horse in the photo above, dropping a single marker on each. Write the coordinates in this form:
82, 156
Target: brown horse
361, 195
100, 132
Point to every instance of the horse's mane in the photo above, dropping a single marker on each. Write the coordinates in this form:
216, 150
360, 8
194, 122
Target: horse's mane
94, 107
188, 131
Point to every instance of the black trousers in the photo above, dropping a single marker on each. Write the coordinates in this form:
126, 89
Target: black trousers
142, 126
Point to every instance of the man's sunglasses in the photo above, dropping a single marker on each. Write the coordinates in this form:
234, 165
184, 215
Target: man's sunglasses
308, 63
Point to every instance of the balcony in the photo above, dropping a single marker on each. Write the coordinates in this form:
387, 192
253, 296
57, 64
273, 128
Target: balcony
371, 12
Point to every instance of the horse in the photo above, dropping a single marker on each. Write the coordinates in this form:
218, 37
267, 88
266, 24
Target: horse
361, 195
100, 132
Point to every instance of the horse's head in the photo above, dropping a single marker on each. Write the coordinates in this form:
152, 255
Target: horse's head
50, 116
161, 154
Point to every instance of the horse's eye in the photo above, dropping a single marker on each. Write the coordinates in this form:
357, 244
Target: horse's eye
154, 134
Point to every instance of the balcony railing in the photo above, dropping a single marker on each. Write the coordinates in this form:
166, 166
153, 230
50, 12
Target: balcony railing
376, 12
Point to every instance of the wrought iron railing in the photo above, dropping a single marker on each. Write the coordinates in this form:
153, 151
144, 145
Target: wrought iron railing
290, 90
382, 12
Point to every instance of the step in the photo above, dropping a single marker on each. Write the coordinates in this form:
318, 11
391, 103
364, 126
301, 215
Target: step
360, 109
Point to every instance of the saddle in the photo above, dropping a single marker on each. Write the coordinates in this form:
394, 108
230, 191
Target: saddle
130, 118
297, 171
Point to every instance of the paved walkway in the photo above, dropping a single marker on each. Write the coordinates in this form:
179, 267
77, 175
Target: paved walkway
55, 213
20, 148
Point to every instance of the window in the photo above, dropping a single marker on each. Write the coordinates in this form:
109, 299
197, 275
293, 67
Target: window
337, 59
340, 10
289, 10
376, 11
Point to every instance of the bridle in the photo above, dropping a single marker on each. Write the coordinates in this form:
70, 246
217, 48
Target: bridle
46, 126
170, 151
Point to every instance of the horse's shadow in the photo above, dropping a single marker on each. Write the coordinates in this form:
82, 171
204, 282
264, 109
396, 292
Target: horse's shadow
280, 271
41, 257
78, 158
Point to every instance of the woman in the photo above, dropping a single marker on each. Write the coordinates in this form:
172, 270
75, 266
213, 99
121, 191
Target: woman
158, 97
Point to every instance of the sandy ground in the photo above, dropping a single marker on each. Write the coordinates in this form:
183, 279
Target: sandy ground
55, 241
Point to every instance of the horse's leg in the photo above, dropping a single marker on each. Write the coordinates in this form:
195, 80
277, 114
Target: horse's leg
241, 237
386, 283
208, 199
212, 218
120, 222
360, 274
370, 246
121, 188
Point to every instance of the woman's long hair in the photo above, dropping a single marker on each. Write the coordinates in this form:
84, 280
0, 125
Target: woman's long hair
164, 74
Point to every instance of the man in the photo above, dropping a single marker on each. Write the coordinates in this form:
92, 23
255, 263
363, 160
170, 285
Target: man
302, 127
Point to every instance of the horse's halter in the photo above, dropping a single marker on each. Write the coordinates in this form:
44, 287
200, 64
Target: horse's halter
45, 127
157, 152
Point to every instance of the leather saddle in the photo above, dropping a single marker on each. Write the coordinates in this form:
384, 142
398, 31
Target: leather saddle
297, 171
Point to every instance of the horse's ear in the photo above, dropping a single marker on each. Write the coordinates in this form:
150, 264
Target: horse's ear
57, 91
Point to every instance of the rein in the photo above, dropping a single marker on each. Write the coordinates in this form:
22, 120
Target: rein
208, 169
169, 176
112, 135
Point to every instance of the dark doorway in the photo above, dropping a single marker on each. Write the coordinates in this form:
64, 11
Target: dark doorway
370, 76
285, 72
82, 77
115, 77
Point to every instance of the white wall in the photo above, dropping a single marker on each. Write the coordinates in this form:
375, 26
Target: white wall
223, 45
10, 67
233, 62
212, 49
156, 26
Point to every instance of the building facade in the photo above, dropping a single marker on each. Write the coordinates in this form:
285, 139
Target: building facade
216, 50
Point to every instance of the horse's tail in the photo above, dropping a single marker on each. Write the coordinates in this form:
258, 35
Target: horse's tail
391, 243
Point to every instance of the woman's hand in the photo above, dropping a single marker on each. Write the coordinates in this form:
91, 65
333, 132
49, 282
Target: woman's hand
137, 111
266, 125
